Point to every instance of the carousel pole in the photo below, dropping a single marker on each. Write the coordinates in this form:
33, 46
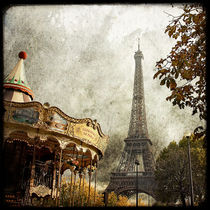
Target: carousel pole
33, 168
80, 178
70, 189
60, 186
54, 175
83, 185
95, 184
75, 173
90, 173
58, 179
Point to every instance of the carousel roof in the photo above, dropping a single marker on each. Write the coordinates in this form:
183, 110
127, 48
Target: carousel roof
41, 125
17, 79
49, 126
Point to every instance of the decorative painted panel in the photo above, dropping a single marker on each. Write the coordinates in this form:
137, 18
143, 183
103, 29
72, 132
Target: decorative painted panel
57, 123
26, 115
85, 132
51, 122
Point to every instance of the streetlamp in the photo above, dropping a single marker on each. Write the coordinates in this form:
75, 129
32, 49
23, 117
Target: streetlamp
190, 169
137, 163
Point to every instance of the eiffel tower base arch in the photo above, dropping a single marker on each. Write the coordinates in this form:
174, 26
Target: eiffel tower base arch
125, 185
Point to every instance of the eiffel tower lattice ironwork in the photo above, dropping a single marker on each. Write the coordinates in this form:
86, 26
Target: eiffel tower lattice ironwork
137, 146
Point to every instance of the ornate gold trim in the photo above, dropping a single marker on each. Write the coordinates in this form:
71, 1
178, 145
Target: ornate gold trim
47, 127
40, 190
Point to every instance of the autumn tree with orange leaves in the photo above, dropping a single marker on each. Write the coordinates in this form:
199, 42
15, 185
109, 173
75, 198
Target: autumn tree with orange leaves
183, 71
75, 196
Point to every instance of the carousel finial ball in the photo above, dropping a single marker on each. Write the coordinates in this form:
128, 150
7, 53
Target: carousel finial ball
22, 55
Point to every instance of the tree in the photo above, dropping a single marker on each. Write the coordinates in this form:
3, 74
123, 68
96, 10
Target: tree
198, 156
172, 183
122, 201
66, 196
77, 194
114, 200
183, 71
172, 172
140, 202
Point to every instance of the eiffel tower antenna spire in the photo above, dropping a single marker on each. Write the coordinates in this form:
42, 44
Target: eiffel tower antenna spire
138, 44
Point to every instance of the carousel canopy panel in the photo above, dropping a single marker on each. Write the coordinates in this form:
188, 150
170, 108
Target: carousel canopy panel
38, 124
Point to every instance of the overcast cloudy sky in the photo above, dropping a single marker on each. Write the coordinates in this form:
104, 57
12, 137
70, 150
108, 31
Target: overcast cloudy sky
80, 59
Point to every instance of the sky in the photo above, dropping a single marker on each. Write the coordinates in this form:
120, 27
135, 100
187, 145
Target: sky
81, 60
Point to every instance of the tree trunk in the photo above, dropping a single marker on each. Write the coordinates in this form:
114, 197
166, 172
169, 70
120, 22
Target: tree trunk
183, 199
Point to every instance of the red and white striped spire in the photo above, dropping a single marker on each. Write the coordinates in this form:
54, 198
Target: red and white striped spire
15, 85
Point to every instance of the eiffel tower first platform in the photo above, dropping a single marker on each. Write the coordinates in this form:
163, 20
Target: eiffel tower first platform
137, 146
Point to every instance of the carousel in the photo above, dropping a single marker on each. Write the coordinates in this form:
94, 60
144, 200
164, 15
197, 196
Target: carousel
41, 142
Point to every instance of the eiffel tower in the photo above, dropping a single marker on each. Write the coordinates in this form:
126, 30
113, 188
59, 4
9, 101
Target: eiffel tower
137, 146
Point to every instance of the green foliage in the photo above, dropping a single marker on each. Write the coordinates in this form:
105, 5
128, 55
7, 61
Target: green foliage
183, 71
172, 171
